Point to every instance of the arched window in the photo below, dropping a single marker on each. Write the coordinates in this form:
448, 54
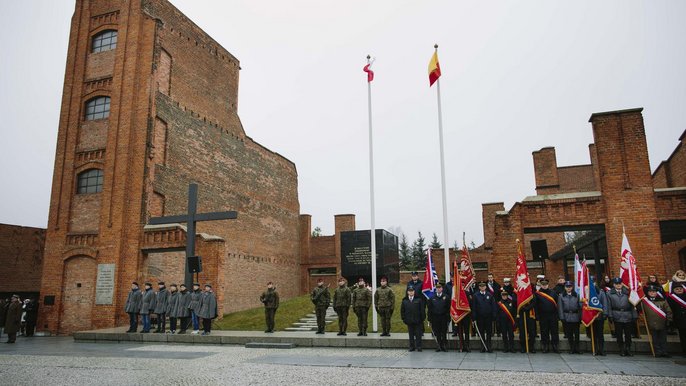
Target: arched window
90, 181
98, 108
104, 41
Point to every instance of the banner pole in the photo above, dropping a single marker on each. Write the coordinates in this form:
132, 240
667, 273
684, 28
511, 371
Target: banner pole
372, 248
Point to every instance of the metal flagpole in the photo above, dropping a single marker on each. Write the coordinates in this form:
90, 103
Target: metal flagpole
446, 245
371, 199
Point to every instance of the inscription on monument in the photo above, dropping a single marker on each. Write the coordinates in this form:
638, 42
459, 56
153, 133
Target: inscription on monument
104, 287
356, 257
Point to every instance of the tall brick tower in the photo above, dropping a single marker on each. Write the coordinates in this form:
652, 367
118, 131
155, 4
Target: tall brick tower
150, 105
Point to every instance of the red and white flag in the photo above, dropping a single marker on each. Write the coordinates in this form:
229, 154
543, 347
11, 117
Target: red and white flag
368, 70
522, 283
629, 273
466, 269
430, 277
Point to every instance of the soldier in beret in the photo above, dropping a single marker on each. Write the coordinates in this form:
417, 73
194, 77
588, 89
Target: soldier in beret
362, 300
270, 299
342, 298
182, 308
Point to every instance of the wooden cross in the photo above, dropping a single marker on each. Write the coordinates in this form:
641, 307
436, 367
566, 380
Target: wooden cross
190, 219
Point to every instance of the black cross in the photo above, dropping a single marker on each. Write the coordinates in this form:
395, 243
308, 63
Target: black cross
190, 219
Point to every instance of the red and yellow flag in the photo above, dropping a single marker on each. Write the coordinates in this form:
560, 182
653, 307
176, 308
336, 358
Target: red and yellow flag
434, 69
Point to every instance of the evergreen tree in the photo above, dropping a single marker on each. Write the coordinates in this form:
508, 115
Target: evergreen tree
405, 253
419, 251
435, 244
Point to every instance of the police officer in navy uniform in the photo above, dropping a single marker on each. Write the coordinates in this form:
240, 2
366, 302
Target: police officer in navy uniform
439, 316
483, 309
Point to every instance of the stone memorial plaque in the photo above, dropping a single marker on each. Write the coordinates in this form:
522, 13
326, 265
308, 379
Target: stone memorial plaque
104, 287
356, 256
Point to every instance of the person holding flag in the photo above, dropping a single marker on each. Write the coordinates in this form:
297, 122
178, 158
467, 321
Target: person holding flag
505, 317
484, 310
430, 277
622, 313
657, 313
525, 304
593, 317
460, 308
547, 314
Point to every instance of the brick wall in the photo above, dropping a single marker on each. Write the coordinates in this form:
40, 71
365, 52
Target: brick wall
21, 258
672, 172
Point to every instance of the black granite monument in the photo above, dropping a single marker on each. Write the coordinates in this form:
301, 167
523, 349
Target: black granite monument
356, 257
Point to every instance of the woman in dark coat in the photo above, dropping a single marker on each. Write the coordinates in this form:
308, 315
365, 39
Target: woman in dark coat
13, 319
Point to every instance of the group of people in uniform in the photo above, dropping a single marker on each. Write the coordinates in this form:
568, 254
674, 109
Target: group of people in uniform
180, 305
494, 310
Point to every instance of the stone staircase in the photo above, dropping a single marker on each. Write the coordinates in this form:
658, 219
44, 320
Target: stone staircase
309, 322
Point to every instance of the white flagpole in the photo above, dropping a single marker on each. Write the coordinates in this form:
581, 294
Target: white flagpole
446, 245
371, 199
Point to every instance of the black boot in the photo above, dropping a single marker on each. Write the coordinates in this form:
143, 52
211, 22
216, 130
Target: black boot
555, 349
545, 348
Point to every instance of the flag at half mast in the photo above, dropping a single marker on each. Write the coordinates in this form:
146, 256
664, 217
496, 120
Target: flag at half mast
434, 69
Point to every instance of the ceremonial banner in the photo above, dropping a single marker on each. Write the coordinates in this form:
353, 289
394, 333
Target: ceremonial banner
466, 269
430, 277
591, 308
522, 283
459, 304
629, 273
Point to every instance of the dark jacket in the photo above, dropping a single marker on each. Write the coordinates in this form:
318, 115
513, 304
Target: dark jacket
569, 308
618, 306
501, 317
545, 309
439, 308
412, 312
13, 318
559, 289
31, 309
483, 306
194, 302
493, 288
417, 288
183, 304
3, 311
655, 321
161, 301
320, 296
678, 311
148, 302
133, 302
342, 297
172, 299
270, 298
208, 306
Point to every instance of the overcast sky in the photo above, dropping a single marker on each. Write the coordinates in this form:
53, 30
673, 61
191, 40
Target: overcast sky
517, 76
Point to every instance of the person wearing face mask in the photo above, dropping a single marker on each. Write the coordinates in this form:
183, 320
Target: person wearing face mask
321, 298
384, 301
270, 299
342, 298
362, 300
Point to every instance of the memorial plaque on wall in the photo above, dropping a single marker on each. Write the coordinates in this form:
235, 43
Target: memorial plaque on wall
356, 256
104, 287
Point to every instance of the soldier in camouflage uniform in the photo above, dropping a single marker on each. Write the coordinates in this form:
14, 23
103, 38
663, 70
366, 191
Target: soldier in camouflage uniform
384, 301
341, 304
270, 299
362, 300
321, 298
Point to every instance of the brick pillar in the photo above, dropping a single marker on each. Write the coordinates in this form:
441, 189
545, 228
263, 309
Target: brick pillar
594, 165
342, 223
305, 236
508, 228
545, 169
627, 188
488, 212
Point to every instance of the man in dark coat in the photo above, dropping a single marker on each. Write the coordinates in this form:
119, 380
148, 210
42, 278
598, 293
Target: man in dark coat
495, 289
182, 309
412, 314
13, 319
133, 306
483, 309
147, 307
208, 309
321, 298
270, 299
525, 318
161, 299
31, 309
623, 314
172, 301
4, 303
506, 317
547, 315
194, 306
439, 316
342, 298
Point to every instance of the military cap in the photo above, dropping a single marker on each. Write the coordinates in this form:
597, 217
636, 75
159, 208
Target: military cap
545, 281
539, 277
341, 279
15, 296
148, 284
160, 283
569, 284
414, 273
198, 284
174, 285
182, 285
482, 283
503, 292
410, 289
207, 285
652, 288
617, 280
360, 278
506, 280
439, 285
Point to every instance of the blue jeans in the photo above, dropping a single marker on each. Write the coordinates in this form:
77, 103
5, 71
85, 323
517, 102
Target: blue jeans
196, 322
146, 322
133, 321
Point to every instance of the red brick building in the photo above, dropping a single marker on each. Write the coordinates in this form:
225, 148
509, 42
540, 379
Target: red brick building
596, 200
21, 258
150, 105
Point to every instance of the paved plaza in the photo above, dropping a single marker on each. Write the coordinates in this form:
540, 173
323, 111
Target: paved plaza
62, 361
